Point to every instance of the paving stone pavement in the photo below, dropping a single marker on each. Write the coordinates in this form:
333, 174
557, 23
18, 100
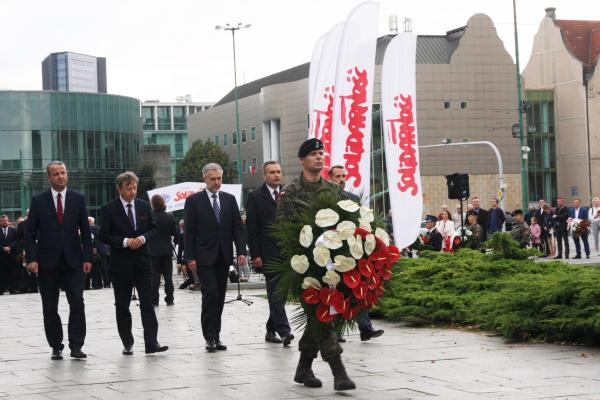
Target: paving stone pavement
405, 363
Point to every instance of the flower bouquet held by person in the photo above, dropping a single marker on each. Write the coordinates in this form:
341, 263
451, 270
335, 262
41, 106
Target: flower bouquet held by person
579, 226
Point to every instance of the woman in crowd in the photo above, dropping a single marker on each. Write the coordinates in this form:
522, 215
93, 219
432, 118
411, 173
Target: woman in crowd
445, 226
594, 216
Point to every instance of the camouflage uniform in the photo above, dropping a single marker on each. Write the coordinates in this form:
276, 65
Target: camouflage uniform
476, 232
520, 233
295, 196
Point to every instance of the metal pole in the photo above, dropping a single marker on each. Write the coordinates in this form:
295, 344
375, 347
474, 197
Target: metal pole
524, 188
237, 117
589, 151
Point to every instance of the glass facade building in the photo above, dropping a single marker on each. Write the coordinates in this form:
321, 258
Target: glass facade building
97, 136
541, 139
73, 72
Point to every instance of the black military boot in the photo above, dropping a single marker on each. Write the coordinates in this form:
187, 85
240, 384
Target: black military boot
304, 373
341, 381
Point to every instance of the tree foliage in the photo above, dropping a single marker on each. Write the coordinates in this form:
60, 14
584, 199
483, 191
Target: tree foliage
200, 154
147, 182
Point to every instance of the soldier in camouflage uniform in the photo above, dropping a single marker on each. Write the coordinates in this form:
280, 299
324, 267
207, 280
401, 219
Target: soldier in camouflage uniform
295, 196
520, 229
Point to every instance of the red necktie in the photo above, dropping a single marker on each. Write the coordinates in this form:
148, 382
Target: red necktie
59, 208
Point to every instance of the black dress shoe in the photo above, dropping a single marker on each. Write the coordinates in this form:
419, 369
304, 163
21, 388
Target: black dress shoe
211, 346
368, 335
77, 353
56, 354
558, 258
287, 340
156, 349
220, 346
577, 257
341, 339
128, 350
170, 303
587, 256
272, 338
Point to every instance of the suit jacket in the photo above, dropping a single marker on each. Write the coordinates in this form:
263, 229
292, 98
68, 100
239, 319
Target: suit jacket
46, 240
260, 215
10, 240
95, 231
483, 218
161, 244
435, 239
560, 222
204, 236
115, 228
583, 213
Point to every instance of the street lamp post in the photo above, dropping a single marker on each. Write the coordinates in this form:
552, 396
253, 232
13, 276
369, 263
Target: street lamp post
233, 29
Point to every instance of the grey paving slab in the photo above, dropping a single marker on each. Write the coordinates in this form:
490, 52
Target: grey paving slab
405, 363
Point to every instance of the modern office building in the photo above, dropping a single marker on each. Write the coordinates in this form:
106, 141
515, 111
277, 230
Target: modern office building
166, 124
466, 91
562, 81
97, 136
74, 72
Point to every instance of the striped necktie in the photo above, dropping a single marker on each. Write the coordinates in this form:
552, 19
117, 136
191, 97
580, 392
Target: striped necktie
216, 208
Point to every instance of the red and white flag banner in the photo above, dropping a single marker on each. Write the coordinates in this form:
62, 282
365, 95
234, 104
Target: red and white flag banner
321, 90
399, 112
351, 135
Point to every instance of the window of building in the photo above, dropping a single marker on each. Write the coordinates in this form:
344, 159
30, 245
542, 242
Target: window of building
463, 104
243, 136
179, 145
234, 165
225, 140
244, 166
148, 118
191, 110
253, 162
164, 118
233, 138
217, 140
253, 133
179, 121
446, 105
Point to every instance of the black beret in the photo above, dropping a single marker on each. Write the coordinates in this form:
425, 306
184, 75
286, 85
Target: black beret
517, 212
308, 146
431, 218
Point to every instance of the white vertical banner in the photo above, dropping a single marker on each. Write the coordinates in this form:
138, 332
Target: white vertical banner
312, 72
321, 91
351, 135
399, 112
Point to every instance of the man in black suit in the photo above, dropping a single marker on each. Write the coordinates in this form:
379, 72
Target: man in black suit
561, 215
94, 278
212, 225
58, 248
8, 257
127, 226
161, 250
260, 215
483, 217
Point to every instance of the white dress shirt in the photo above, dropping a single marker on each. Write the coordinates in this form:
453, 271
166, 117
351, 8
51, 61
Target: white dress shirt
210, 198
594, 213
62, 198
125, 203
445, 228
272, 191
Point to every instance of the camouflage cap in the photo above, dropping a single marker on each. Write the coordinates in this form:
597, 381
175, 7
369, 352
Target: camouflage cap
309, 145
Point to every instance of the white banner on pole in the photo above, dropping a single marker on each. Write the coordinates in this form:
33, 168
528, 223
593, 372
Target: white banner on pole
399, 111
175, 195
351, 136
314, 66
322, 95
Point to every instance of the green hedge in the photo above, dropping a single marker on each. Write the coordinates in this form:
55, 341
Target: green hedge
517, 297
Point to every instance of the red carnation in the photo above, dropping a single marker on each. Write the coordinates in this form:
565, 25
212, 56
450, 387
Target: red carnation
311, 296
323, 313
352, 278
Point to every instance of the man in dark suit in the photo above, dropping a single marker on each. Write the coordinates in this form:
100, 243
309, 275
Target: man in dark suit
127, 226
58, 248
561, 215
483, 217
8, 257
161, 250
434, 238
94, 278
581, 213
260, 215
212, 225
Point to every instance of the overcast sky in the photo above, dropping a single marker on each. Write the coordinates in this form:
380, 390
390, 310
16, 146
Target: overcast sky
163, 49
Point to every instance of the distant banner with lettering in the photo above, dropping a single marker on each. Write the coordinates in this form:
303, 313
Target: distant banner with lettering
399, 112
175, 195
351, 135
321, 90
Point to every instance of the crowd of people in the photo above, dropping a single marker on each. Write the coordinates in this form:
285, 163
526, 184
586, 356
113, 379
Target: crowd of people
545, 227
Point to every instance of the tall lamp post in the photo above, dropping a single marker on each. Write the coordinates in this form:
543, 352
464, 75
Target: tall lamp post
233, 29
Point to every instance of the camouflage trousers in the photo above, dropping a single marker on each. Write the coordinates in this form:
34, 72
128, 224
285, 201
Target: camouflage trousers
325, 342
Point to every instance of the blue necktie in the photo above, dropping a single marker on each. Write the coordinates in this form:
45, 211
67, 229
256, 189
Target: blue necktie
216, 208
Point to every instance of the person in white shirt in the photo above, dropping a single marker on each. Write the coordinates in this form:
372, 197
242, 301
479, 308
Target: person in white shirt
594, 216
445, 226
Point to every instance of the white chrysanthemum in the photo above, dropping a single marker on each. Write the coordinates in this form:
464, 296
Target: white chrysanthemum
383, 235
321, 255
346, 229
311, 283
356, 247
365, 224
332, 278
299, 263
306, 236
342, 263
370, 243
367, 214
332, 240
326, 217
348, 205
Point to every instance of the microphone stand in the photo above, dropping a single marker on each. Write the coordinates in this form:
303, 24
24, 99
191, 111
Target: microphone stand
239, 291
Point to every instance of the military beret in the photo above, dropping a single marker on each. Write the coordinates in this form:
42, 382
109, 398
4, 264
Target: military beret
517, 212
309, 145
431, 218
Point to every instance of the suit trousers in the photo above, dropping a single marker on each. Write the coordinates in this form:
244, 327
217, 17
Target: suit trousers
162, 265
278, 321
124, 278
586, 245
213, 282
50, 283
560, 237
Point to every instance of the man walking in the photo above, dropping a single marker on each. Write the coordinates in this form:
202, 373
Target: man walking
9, 272
58, 248
260, 215
127, 226
212, 226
